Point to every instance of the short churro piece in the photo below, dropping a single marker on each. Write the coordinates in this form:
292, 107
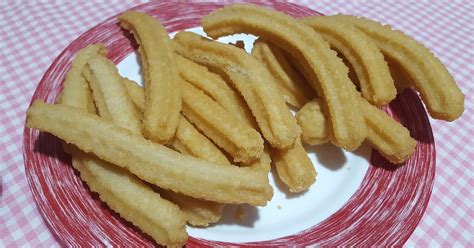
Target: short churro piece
241, 141
442, 97
251, 79
390, 138
162, 82
149, 161
313, 123
368, 62
327, 72
292, 85
294, 167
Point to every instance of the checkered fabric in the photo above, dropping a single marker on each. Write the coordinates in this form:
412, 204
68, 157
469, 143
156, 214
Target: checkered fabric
33, 34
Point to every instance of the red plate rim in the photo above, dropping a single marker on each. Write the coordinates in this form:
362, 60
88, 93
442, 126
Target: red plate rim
385, 210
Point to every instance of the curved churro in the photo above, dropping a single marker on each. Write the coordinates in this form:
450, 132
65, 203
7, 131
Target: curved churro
241, 141
162, 82
133, 200
251, 80
313, 123
443, 98
291, 84
109, 91
76, 90
151, 162
328, 73
390, 138
368, 62
214, 86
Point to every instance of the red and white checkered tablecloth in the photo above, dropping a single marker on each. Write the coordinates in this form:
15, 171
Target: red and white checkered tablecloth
33, 34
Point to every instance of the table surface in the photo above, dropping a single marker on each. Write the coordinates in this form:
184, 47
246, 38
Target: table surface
33, 34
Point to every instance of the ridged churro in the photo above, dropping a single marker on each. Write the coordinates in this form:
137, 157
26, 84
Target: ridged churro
440, 93
328, 73
108, 89
121, 191
161, 76
241, 141
390, 138
78, 90
214, 86
291, 84
251, 79
368, 62
313, 123
151, 162
134, 200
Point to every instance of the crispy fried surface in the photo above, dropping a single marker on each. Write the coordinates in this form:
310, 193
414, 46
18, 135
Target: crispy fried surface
241, 141
215, 87
291, 84
368, 62
162, 83
109, 90
133, 200
76, 90
327, 72
390, 138
440, 93
151, 162
251, 79
313, 123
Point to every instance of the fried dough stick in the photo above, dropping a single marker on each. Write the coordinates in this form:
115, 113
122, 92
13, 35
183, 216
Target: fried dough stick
327, 72
121, 191
313, 123
151, 162
215, 87
187, 140
242, 142
162, 82
442, 97
368, 62
291, 84
251, 79
386, 135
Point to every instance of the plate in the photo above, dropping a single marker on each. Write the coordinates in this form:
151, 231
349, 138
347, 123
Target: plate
358, 199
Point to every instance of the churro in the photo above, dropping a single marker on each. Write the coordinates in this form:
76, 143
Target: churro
162, 82
151, 162
251, 79
327, 72
440, 93
291, 84
108, 89
313, 123
76, 90
241, 141
369, 65
390, 138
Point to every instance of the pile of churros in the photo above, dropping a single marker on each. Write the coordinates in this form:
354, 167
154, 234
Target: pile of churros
211, 119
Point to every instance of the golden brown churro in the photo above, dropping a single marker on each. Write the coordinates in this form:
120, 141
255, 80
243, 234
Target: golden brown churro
162, 82
151, 162
328, 73
390, 138
313, 123
368, 62
292, 85
214, 86
251, 80
241, 141
106, 85
442, 97
76, 90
